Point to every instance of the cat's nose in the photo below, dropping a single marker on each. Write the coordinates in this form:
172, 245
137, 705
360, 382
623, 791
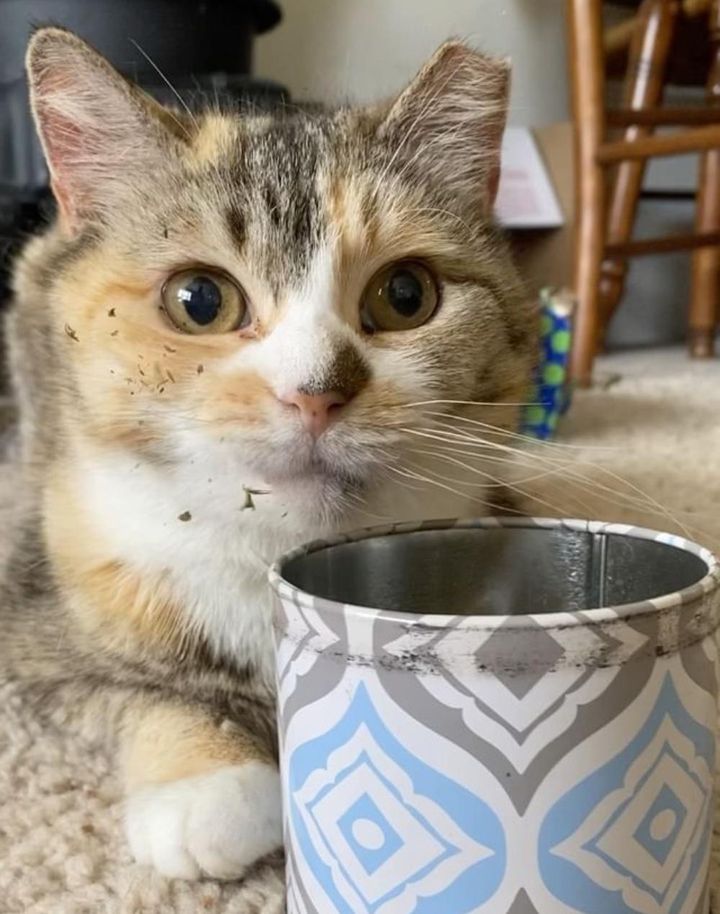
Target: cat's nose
317, 411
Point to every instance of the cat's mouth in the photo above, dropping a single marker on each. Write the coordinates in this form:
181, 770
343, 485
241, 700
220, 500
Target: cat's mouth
328, 461
344, 460
318, 470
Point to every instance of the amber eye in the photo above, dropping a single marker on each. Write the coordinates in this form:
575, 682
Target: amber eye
401, 296
204, 301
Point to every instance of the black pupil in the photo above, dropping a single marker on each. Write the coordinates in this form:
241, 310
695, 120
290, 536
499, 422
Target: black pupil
405, 293
202, 300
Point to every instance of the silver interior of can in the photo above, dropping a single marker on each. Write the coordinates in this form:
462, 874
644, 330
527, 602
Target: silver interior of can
494, 571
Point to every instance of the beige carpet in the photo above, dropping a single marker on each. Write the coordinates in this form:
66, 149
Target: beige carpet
61, 847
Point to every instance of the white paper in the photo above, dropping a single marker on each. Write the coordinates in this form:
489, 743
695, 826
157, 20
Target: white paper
526, 197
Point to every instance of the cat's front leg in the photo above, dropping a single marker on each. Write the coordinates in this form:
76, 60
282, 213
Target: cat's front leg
203, 799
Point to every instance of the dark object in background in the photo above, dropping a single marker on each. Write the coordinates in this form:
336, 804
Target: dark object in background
203, 47
21, 211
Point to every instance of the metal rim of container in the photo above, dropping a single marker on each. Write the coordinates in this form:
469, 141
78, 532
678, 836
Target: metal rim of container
685, 598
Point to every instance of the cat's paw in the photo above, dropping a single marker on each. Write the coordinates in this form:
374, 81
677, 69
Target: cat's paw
215, 824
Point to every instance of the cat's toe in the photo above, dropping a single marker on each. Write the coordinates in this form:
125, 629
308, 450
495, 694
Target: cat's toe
215, 824
237, 821
155, 826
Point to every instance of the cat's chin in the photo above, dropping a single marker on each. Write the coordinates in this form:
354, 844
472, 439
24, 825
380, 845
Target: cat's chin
333, 468
316, 477
316, 504
320, 492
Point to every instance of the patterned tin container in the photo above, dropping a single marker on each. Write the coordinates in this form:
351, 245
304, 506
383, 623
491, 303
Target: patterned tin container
502, 749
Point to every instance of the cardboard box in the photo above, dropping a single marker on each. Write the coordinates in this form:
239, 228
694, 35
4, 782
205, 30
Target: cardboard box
543, 242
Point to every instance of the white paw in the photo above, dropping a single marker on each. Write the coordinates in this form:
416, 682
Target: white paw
214, 825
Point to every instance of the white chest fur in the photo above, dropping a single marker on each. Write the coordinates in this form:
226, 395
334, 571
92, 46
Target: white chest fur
196, 526
193, 523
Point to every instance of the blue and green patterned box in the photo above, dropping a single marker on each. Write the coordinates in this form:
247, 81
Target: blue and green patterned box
551, 392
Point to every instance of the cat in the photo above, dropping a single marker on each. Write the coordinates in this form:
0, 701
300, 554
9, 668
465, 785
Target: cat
232, 339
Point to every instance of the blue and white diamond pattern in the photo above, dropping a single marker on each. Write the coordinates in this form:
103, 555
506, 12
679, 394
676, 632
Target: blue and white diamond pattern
367, 830
660, 829
379, 829
376, 845
653, 802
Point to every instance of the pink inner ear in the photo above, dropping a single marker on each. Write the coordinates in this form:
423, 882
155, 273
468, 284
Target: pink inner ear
63, 148
97, 131
67, 145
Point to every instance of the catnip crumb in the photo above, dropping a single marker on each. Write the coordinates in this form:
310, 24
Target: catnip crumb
170, 375
249, 502
71, 333
185, 516
165, 232
200, 369
114, 333
111, 312
169, 348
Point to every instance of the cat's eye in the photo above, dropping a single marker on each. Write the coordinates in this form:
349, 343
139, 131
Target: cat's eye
204, 301
401, 296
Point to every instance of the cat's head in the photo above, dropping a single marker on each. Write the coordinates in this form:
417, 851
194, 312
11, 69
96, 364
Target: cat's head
292, 300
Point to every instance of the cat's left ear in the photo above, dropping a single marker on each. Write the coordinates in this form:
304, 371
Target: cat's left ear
450, 120
97, 130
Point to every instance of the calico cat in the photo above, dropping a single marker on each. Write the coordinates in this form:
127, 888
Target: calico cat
231, 341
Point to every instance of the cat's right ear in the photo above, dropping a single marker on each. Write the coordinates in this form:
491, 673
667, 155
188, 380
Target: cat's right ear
97, 130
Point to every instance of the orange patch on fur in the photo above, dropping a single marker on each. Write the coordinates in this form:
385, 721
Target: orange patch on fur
113, 603
242, 398
132, 365
129, 434
348, 217
376, 229
128, 601
165, 743
213, 140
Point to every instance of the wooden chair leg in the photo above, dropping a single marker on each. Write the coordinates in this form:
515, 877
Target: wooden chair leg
644, 84
588, 83
706, 261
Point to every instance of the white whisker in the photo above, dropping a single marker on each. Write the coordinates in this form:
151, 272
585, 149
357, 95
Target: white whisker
167, 83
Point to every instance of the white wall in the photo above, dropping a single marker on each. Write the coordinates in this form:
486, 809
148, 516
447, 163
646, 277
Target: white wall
360, 50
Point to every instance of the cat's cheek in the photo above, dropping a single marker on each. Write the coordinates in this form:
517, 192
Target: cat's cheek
215, 824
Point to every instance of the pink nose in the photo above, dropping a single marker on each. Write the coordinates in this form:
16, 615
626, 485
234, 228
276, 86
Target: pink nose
316, 410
